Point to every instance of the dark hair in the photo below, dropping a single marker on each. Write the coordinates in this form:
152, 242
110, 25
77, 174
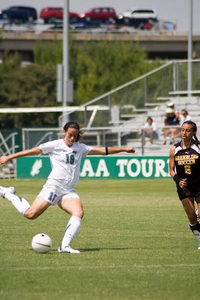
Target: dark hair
185, 110
194, 127
75, 126
150, 118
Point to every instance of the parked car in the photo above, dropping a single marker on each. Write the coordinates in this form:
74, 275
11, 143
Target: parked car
165, 26
169, 25
51, 14
104, 14
13, 17
137, 16
20, 14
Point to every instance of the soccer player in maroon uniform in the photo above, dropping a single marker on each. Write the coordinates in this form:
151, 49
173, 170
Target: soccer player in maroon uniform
184, 168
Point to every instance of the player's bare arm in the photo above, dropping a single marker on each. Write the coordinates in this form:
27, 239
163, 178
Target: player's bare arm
181, 181
33, 151
110, 150
171, 162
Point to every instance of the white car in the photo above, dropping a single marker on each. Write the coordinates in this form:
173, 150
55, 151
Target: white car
149, 14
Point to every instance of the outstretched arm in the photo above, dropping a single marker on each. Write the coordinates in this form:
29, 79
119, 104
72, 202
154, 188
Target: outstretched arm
28, 152
110, 150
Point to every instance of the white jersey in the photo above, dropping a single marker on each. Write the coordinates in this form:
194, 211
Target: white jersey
65, 161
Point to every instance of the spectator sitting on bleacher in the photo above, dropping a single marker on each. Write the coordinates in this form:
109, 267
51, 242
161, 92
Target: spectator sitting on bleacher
150, 130
171, 121
172, 106
184, 116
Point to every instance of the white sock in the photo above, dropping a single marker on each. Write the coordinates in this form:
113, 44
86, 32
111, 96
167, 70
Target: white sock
71, 230
19, 203
196, 230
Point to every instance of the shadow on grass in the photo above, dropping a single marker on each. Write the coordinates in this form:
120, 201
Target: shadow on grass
101, 249
53, 251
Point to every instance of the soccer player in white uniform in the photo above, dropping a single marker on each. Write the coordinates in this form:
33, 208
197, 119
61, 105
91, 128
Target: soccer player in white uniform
65, 156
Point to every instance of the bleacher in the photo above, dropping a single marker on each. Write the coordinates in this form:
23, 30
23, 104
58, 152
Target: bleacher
156, 110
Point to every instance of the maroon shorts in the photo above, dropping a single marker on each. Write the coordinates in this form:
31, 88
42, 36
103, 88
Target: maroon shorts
186, 193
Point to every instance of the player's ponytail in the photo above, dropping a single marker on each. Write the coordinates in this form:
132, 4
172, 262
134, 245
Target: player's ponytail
196, 140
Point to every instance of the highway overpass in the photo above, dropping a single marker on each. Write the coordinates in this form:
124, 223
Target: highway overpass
164, 46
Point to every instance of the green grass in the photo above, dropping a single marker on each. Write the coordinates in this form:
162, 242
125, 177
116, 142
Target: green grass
135, 244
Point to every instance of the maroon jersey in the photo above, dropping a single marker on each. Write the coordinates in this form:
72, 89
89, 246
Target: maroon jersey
187, 162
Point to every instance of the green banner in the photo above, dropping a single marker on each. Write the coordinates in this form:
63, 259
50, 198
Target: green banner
99, 167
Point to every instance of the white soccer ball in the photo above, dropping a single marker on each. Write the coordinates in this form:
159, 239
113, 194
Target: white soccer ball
41, 243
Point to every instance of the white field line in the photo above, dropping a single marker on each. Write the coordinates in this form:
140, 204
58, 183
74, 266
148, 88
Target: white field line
105, 267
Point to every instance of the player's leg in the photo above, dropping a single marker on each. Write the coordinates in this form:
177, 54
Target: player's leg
197, 200
72, 206
22, 206
38, 206
19, 203
198, 210
189, 207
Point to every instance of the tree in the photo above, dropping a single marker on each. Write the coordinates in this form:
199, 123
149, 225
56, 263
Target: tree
31, 86
104, 66
95, 68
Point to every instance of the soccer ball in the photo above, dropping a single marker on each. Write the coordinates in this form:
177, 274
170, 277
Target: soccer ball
41, 243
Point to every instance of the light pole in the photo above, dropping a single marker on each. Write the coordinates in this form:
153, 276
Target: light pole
65, 56
190, 32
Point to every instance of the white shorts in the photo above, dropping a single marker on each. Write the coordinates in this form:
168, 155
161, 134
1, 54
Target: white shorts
53, 192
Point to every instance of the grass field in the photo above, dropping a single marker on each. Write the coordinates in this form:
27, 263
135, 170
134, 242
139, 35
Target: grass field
135, 244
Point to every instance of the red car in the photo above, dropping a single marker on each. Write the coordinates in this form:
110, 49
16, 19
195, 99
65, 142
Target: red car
100, 14
50, 14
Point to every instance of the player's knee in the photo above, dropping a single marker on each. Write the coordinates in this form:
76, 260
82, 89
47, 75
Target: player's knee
79, 213
82, 214
30, 214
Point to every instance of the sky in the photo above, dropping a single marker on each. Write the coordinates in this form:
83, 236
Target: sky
173, 10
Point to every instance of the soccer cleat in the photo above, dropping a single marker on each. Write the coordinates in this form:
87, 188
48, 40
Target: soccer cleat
4, 190
68, 249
